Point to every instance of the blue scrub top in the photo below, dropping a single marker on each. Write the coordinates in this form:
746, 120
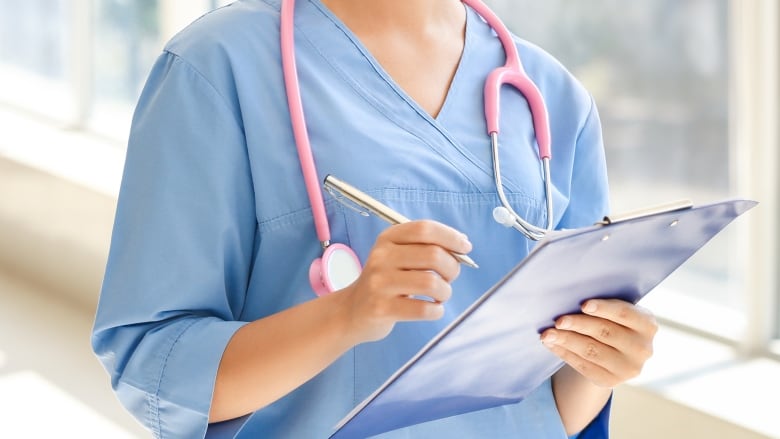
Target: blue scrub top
214, 228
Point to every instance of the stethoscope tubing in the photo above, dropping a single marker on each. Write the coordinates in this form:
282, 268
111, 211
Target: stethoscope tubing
512, 73
531, 231
305, 155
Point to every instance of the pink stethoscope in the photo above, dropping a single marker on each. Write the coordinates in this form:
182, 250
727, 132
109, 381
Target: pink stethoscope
339, 266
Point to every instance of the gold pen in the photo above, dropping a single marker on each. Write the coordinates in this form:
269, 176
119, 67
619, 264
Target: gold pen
372, 205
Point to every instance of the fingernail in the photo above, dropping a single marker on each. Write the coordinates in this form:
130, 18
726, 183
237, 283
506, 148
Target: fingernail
549, 338
589, 307
466, 241
564, 323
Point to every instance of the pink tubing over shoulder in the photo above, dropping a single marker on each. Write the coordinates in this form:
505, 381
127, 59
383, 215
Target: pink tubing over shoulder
512, 73
298, 119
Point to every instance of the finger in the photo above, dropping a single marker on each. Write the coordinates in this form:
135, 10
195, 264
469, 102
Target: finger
416, 283
593, 372
409, 309
428, 285
623, 313
622, 365
427, 257
427, 232
605, 356
389, 255
610, 333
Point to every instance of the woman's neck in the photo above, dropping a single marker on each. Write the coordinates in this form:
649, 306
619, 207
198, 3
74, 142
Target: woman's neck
419, 43
410, 16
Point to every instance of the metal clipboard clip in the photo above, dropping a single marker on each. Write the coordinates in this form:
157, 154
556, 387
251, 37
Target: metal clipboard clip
647, 211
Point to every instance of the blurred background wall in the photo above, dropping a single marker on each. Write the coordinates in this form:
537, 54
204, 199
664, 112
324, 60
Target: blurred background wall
688, 95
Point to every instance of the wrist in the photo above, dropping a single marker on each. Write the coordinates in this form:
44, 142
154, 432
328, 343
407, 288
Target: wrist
344, 326
578, 399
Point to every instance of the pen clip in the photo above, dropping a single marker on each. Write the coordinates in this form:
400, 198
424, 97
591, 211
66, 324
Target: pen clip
344, 201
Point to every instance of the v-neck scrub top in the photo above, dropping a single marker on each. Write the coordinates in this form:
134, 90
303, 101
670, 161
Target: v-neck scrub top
214, 229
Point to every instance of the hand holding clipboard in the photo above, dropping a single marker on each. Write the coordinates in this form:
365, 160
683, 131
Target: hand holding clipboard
624, 257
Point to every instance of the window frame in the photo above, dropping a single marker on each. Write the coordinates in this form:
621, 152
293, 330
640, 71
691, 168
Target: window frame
755, 114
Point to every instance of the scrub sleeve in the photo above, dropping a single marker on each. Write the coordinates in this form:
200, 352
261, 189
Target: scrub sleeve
183, 233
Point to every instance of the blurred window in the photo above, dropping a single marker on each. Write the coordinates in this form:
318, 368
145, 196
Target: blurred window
34, 43
33, 37
128, 43
659, 71
84, 63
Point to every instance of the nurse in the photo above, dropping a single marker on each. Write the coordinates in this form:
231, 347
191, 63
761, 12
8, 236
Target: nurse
207, 322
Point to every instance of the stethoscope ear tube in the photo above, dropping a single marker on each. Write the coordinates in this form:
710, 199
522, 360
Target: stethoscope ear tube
513, 73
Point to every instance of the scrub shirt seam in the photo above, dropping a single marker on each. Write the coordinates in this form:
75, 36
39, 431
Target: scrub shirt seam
287, 218
250, 270
585, 121
156, 398
340, 208
153, 414
363, 93
399, 193
344, 217
580, 131
222, 99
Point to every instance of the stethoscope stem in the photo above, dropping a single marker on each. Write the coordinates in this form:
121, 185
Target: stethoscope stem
517, 222
548, 191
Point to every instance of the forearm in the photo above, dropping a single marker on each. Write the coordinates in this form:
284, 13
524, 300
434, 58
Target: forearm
268, 358
579, 401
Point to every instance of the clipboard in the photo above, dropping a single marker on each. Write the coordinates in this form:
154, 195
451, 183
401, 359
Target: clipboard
495, 342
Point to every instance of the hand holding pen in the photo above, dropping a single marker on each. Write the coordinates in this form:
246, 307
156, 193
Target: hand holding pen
372, 205
411, 259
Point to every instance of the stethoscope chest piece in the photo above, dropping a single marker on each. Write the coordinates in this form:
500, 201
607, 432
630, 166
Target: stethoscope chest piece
338, 267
